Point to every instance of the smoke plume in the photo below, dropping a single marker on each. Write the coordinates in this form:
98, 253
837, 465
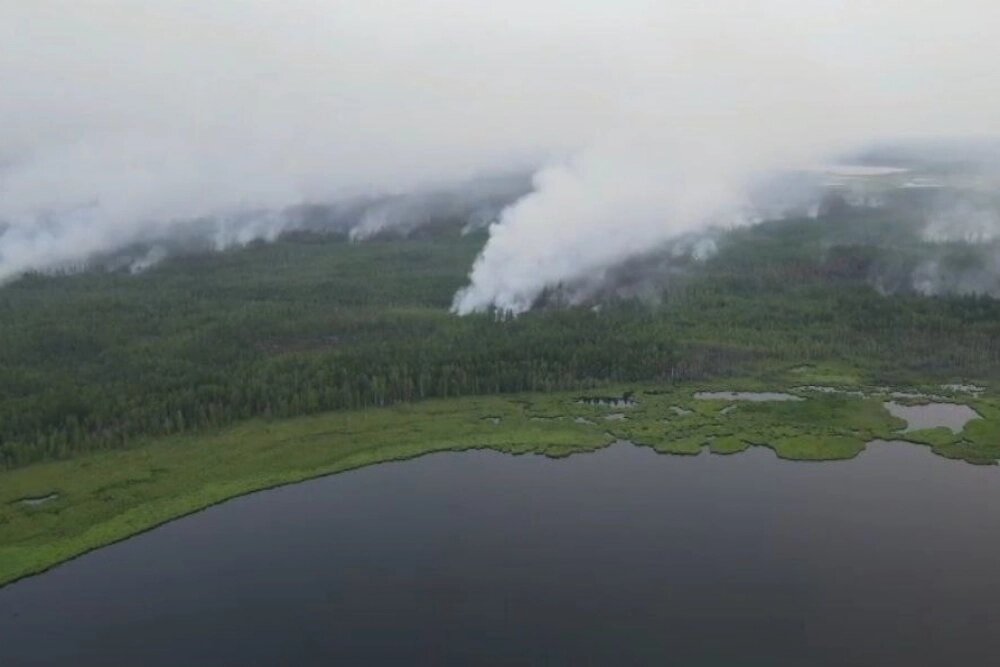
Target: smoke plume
125, 124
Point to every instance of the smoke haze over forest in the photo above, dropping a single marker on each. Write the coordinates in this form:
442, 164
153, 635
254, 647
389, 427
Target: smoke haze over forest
644, 123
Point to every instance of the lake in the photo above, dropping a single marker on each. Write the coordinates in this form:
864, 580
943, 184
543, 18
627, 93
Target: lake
623, 556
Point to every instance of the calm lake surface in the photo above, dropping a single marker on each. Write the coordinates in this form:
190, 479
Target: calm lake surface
618, 557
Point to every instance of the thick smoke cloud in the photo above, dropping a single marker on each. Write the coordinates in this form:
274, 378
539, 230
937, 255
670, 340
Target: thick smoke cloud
738, 94
126, 123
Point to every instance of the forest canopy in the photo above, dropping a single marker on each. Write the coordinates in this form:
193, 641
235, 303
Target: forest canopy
313, 322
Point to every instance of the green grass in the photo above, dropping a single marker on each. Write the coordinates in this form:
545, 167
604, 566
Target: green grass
728, 445
109, 496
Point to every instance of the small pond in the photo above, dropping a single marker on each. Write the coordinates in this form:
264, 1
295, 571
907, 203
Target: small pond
38, 502
953, 416
610, 402
745, 396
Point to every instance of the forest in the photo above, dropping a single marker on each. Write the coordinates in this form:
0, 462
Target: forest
106, 359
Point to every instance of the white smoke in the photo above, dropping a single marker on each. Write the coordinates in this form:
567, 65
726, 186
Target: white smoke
474, 203
125, 122
609, 204
742, 93
964, 220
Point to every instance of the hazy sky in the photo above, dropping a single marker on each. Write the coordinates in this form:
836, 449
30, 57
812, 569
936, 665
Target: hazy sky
120, 118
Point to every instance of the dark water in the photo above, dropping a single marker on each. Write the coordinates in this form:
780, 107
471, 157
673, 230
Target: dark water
620, 557
753, 396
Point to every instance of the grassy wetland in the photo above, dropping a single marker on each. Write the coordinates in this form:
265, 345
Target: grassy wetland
130, 400
94, 500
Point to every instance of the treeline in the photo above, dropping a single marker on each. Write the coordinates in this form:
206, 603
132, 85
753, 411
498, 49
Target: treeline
163, 394
103, 359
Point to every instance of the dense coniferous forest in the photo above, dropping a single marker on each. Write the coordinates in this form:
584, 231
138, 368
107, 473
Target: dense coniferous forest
104, 358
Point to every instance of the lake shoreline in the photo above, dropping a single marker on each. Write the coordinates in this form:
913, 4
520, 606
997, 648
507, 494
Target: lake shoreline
103, 499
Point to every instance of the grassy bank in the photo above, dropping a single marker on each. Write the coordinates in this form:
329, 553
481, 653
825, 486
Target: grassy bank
102, 498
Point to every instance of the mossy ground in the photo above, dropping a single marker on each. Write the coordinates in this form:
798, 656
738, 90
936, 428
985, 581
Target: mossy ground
109, 496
